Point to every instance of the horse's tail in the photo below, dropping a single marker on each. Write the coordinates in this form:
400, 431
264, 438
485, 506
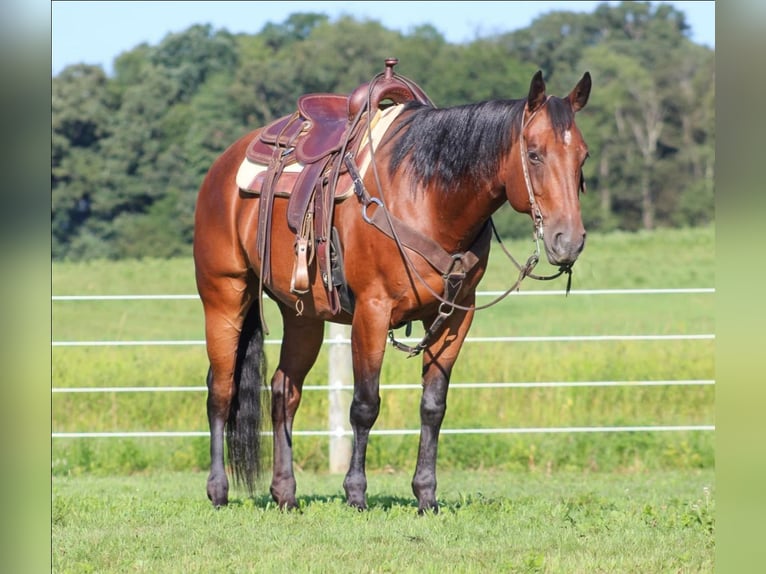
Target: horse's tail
243, 429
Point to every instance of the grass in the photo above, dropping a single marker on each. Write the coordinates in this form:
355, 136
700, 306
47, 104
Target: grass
490, 521
665, 258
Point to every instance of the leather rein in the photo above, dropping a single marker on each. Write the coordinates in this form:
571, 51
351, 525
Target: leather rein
453, 267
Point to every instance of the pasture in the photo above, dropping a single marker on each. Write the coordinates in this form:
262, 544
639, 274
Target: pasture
667, 259
587, 502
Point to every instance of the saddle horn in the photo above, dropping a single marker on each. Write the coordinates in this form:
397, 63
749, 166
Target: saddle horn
390, 86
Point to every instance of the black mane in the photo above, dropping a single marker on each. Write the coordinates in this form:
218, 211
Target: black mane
450, 146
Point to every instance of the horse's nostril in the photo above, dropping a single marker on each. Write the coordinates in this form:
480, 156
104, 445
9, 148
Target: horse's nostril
561, 239
567, 246
558, 242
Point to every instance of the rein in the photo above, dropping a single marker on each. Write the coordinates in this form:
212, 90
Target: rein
453, 267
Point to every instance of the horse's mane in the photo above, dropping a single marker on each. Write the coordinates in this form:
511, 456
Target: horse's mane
452, 146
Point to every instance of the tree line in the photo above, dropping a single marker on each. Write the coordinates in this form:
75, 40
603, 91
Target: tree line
129, 150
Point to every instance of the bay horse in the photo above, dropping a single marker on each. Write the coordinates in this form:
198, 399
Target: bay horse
435, 179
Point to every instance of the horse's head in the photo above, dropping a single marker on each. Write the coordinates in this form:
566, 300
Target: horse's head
544, 178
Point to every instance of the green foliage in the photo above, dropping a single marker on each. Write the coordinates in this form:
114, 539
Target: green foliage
296, 28
129, 152
190, 57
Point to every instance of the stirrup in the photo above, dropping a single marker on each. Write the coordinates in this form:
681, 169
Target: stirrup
299, 284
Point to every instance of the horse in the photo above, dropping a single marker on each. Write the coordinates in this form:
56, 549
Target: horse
415, 243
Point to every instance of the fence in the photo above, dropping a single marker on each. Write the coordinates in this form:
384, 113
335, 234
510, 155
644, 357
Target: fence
339, 380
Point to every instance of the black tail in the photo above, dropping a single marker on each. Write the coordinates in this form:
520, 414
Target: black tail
243, 429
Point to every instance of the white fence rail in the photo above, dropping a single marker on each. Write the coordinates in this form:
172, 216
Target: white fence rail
338, 432
553, 338
408, 386
533, 293
398, 432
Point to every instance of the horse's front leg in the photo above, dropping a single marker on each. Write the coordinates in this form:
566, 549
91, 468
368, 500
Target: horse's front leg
301, 343
368, 345
438, 360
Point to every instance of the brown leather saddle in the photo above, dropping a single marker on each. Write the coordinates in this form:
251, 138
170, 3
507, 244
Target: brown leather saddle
318, 135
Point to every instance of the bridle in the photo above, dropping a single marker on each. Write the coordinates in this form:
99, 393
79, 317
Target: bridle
452, 266
537, 216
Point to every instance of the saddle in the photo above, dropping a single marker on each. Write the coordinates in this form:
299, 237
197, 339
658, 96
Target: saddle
302, 158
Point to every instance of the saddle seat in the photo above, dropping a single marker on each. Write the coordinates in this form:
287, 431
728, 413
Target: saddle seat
315, 132
300, 156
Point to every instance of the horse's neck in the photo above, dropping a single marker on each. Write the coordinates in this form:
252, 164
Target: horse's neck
460, 216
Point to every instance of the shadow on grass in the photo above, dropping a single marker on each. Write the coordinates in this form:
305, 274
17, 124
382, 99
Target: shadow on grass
382, 502
374, 502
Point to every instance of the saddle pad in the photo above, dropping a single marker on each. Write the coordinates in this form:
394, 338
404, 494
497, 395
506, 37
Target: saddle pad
250, 175
249, 171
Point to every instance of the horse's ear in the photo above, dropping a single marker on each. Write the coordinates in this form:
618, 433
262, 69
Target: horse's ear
578, 97
536, 95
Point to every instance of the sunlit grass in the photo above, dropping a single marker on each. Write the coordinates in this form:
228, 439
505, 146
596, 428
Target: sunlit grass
490, 521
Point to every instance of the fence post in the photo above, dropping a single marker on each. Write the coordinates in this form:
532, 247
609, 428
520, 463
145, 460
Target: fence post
341, 375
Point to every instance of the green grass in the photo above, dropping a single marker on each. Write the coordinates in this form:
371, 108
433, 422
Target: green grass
665, 258
490, 521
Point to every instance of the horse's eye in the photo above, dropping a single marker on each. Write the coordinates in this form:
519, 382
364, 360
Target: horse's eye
534, 157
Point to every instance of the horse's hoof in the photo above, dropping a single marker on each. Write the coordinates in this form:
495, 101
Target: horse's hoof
218, 493
284, 496
360, 505
288, 506
428, 509
218, 502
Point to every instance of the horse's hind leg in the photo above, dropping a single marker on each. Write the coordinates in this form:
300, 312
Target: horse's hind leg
224, 317
438, 361
217, 412
301, 342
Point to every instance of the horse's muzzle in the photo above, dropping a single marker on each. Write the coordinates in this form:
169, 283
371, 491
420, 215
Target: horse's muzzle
563, 248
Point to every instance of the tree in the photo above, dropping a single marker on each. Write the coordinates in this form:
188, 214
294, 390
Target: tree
631, 97
191, 56
81, 107
337, 57
554, 43
484, 70
296, 28
264, 86
128, 152
692, 100
636, 65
